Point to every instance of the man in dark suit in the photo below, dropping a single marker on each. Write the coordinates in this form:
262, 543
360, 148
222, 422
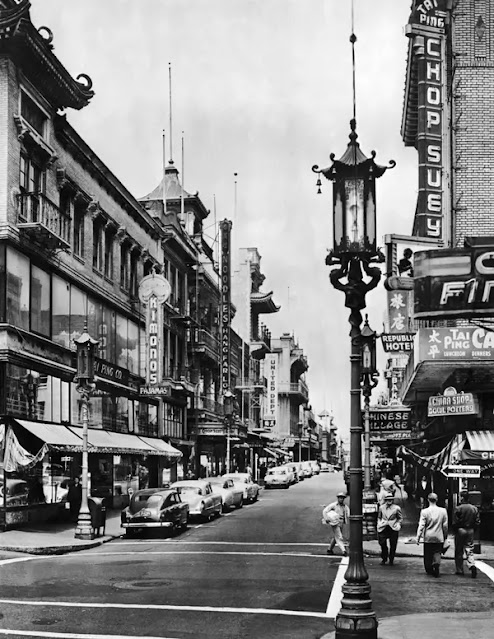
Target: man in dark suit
466, 519
433, 527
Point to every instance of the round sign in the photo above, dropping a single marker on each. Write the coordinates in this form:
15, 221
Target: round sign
154, 284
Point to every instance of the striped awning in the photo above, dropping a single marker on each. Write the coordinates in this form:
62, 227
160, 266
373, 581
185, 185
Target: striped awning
481, 446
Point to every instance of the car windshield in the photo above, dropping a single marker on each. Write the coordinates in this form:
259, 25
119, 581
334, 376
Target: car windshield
189, 490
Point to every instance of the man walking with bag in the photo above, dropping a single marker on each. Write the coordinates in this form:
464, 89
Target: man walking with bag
433, 526
336, 514
389, 520
466, 519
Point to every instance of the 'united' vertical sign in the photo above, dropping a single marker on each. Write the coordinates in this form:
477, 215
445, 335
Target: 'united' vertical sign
271, 403
226, 229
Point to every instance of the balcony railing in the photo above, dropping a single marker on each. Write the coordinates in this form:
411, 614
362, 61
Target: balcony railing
176, 372
43, 220
248, 382
299, 388
204, 341
211, 405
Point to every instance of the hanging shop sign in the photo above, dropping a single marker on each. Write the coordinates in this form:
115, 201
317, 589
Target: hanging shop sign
226, 228
395, 435
399, 311
452, 404
454, 282
428, 14
478, 455
107, 370
397, 342
270, 414
389, 419
462, 343
154, 290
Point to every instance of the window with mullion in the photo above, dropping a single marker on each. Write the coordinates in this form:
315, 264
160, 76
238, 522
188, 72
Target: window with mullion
108, 260
98, 240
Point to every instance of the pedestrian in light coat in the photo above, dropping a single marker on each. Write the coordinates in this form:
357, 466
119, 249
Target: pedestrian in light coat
466, 519
433, 527
389, 520
336, 515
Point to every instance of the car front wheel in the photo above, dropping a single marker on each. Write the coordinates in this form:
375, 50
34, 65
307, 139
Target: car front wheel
240, 503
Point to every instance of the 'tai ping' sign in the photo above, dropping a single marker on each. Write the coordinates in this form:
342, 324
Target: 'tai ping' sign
452, 403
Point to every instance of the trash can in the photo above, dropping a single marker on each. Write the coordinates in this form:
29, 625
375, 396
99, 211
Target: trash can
97, 510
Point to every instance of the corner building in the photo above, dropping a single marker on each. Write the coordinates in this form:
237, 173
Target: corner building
74, 244
448, 117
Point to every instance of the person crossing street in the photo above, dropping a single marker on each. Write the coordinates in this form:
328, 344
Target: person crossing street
433, 527
336, 515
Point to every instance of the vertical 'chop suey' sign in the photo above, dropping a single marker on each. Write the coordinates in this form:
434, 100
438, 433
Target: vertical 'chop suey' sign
154, 290
226, 228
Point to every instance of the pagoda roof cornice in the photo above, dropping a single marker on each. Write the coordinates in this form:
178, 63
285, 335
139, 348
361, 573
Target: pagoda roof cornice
32, 50
263, 302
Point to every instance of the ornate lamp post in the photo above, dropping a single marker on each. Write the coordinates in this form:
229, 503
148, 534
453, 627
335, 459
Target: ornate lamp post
229, 410
368, 381
354, 249
84, 379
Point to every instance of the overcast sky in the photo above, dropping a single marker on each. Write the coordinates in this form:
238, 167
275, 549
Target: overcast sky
261, 88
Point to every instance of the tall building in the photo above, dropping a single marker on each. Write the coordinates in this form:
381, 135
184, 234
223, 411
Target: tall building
447, 117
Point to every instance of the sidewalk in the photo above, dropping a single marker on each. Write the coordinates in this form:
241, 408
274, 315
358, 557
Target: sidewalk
57, 538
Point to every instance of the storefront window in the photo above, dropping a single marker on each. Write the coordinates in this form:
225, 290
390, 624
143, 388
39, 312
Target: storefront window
133, 347
22, 392
60, 314
17, 289
122, 414
40, 301
121, 341
78, 309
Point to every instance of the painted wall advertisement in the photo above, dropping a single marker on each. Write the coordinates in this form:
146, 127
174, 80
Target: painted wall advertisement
461, 343
270, 414
154, 290
454, 282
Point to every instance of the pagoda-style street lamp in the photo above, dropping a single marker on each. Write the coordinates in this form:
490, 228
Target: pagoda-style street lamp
229, 412
84, 379
354, 249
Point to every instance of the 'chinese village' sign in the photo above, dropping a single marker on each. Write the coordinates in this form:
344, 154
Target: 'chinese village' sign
154, 290
389, 421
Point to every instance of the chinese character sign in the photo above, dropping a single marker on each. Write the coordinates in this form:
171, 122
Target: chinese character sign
399, 311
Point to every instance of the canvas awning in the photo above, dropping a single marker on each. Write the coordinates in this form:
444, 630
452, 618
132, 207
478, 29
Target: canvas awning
481, 443
276, 452
56, 436
105, 441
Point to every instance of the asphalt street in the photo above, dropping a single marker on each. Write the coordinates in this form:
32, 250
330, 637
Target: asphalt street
261, 571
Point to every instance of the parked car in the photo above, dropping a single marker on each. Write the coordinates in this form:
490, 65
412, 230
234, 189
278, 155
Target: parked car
306, 468
232, 496
155, 508
326, 468
278, 477
316, 468
293, 469
203, 501
244, 480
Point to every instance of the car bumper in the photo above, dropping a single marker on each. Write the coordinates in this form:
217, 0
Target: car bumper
150, 524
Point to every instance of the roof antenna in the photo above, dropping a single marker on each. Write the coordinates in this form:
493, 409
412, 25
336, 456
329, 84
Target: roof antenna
170, 109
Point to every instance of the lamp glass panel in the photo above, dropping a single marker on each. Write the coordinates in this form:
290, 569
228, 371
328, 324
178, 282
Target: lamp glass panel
338, 239
371, 220
355, 210
366, 358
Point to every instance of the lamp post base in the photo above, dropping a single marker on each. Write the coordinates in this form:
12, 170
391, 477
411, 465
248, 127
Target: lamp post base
356, 619
84, 528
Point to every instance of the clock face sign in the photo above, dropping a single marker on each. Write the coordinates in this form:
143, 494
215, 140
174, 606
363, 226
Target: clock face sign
154, 284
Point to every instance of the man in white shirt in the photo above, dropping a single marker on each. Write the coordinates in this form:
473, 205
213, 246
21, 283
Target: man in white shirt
336, 514
389, 520
433, 526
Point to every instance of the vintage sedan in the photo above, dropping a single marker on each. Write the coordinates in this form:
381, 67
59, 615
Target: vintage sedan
244, 481
204, 502
155, 508
232, 496
278, 477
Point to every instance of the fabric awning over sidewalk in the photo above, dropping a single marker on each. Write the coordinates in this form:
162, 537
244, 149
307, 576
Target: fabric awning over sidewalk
481, 443
69, 438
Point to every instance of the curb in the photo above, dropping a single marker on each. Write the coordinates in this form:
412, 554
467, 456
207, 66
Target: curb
59, 550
